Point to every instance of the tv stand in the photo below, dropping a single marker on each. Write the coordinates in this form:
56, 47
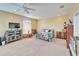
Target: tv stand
13, 35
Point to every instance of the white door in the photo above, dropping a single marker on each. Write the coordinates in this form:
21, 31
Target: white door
26, 26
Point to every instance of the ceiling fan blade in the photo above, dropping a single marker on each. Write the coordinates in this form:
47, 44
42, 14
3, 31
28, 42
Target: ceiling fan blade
30, 9
26, 11
16, 4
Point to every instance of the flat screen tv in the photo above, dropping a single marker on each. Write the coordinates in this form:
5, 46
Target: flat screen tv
14, 25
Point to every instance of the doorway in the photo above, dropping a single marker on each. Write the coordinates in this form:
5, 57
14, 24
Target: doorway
76, 31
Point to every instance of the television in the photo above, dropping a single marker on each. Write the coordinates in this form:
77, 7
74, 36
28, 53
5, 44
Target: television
14, 25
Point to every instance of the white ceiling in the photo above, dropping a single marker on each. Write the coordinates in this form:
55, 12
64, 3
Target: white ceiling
42, 10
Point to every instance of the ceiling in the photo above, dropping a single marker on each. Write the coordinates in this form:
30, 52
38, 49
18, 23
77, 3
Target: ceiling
42, 10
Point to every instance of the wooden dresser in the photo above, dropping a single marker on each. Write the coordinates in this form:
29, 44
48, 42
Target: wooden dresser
61, 35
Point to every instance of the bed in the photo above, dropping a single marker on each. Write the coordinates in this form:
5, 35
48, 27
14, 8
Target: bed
44, 36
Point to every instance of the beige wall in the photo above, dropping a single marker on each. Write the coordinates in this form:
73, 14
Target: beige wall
5, 18
34, 23
54, 22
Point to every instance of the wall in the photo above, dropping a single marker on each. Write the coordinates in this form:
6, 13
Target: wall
5, 18
34, 23
55, 23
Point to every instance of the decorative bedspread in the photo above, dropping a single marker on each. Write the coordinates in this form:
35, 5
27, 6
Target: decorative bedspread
44, 35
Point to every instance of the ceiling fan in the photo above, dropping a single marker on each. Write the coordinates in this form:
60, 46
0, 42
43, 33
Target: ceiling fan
23, 5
